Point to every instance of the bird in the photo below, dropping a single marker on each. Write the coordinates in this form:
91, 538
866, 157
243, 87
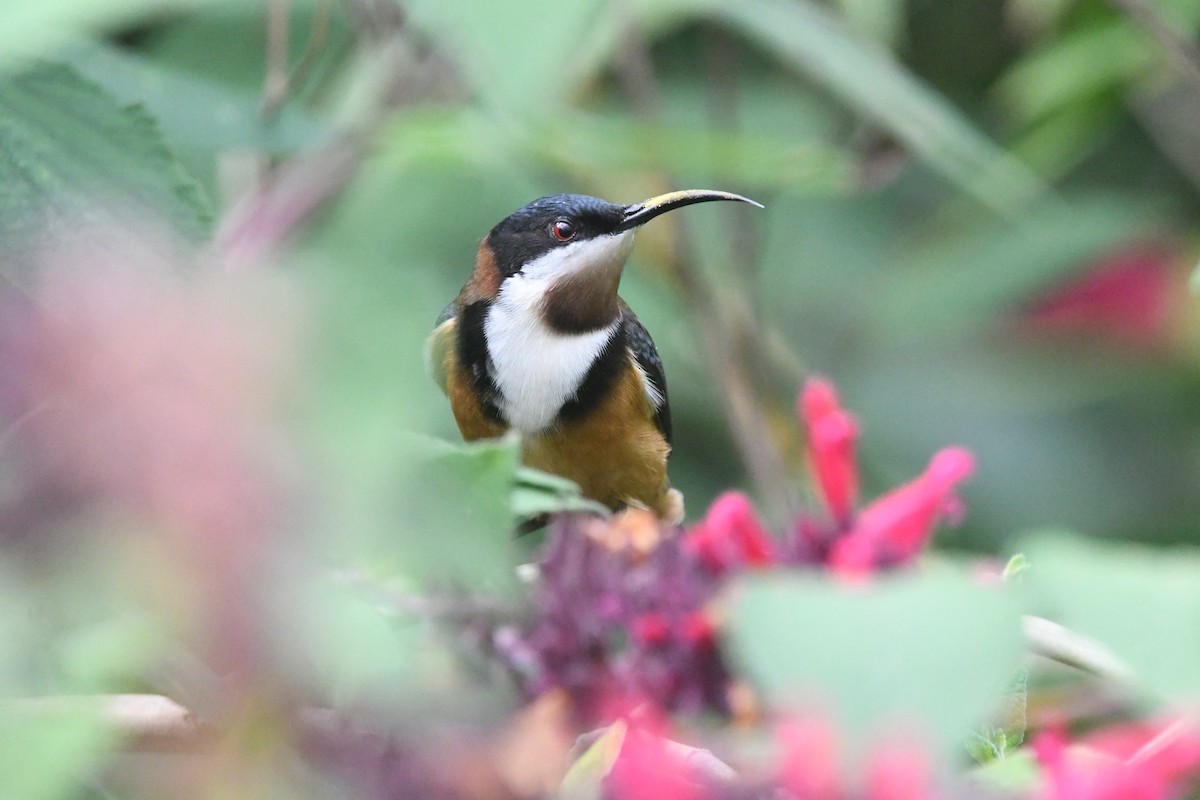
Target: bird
539, 342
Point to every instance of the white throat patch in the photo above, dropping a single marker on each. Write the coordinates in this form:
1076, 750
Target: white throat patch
538, 369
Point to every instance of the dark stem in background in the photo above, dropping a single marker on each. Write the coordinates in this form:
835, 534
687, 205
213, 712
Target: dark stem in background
289, 194
723, 319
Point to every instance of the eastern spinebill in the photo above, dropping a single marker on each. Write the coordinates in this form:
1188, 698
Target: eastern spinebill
539, 342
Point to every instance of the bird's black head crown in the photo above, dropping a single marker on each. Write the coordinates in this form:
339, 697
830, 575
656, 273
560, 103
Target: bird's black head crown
550, 222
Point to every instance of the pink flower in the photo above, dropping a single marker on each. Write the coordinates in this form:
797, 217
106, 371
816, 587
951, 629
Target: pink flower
732, 536
889, 532
809, 767
1127, 296
1125, 762
899, 772
894, 528
808, 760
648, 767
832, 433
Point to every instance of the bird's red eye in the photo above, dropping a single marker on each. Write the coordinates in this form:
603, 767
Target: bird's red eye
563, 230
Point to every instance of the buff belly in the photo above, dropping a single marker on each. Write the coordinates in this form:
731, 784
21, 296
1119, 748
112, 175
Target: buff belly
616, 453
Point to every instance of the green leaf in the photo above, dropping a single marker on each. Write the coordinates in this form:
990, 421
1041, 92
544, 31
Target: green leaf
29, 28
72, 152
1142, 604
929, 651
538, 493
349, 645
1016, 566
454, 505
882, 20
1074, 67
804, 36
1015, 776
616, 144
986, 745
999, 741
196, 110
583, 779
513, 53
996, 264
46, 753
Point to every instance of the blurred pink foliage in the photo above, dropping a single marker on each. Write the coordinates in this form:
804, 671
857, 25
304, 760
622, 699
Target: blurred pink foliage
139, 383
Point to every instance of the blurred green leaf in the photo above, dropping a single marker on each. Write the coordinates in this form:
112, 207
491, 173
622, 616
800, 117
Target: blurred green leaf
537, 493
72, 152
995, 265
1075, 66
45, 754
1143, 604
872, 83
517, 56
44, 750
881, 20
30, 28
1056, 145
354, 648
616, 143
931, 651
193, 109
106, 653
452, 505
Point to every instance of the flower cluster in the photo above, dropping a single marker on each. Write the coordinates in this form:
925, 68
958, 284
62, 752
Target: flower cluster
623, 608
619, 618
849, 540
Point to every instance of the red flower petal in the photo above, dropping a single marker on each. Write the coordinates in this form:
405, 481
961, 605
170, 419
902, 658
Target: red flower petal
731, 535
897, 526
832, 433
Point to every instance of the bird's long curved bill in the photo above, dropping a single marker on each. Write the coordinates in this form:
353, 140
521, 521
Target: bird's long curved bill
641, 213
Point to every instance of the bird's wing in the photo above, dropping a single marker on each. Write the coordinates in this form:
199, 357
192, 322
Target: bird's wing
645, 355
439, 343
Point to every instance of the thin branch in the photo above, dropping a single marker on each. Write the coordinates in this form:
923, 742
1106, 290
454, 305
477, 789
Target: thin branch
281, 81
1053, 641
146, 722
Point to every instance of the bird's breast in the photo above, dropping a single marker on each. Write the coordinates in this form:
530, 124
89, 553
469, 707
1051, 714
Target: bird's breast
536, 369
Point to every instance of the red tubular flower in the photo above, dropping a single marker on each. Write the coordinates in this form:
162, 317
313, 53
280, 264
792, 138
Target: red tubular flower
895, 527
731, 535
832, 433
1127, 297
